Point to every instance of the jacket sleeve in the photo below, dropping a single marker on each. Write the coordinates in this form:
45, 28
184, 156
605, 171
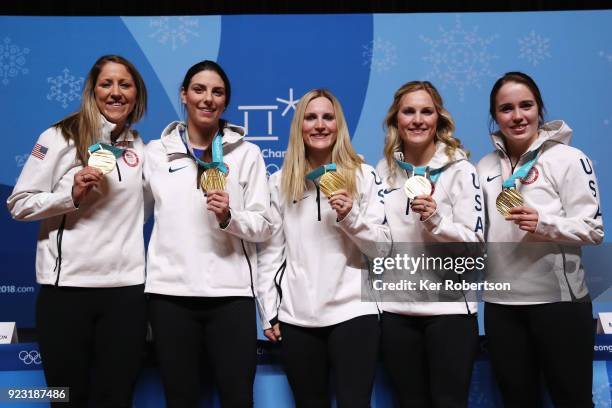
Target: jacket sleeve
271, 263
251, 222
579, 194
37, 194
466, 222
366, 224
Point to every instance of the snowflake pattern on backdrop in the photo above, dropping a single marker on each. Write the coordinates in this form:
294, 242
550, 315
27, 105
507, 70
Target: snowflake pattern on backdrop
174, 30
606, 56
534, 48
65, 88
460, 57
380, 55
20, 159
12, 60
601, 396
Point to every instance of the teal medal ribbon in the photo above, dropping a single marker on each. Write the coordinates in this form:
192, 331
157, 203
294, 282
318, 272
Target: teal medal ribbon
117, 152
432, 174
319, 171
217, 153
522, 172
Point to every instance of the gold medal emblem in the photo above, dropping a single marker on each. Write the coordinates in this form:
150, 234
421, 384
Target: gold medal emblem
103, 160
212, 179
507, 199
331, 182
417, 186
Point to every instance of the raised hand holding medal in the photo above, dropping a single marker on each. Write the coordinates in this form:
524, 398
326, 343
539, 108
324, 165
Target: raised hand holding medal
419, 188
213, 179
332, 184
510, 202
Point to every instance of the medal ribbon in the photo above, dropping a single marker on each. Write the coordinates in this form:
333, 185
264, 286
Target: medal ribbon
319, 171
522, 172
431, 174
103, 146
217, 153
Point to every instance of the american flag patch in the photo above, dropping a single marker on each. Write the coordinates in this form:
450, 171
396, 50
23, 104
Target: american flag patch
39, 151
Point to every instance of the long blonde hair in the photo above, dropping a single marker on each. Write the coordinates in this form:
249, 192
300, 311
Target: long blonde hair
295, 165
83, 126
444, 128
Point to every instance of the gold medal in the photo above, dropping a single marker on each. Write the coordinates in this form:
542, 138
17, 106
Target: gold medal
417, 186
212, 179
507, 199
331, 182
103, 160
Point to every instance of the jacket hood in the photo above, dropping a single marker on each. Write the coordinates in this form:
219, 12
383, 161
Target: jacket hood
440, 158
107, 127
171, 138
556, 131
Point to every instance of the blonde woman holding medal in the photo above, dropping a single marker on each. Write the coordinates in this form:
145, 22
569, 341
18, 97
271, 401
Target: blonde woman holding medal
327, 215
542, 203
211, 206
84, 182
433, 196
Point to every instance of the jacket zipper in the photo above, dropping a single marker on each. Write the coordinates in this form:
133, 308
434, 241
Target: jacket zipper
58, 259
318, 202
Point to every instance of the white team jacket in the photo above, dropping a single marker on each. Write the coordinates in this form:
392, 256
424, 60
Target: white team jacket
321, 284
459, 217
544, 266
189, 254
98, 244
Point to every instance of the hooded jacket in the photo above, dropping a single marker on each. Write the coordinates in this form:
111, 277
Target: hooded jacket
544, 266
189, 253
98, 244
313, 269
459, 217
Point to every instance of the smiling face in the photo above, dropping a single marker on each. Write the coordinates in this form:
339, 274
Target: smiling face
319, 127
516, 113
417, 119
204, 99
115, 94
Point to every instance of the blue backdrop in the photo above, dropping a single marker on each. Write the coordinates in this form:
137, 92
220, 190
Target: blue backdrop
273, 60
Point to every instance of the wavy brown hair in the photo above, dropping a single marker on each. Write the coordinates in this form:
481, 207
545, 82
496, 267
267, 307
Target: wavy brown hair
83, 126
444, 128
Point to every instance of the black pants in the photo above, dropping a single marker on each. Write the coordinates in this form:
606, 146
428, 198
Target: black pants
92, 340
429, 359
224, 328
349, 348
555, 340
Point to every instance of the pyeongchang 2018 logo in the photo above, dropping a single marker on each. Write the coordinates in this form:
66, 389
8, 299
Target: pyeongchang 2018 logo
30, 357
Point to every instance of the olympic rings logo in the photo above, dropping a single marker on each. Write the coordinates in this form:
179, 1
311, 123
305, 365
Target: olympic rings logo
30, 357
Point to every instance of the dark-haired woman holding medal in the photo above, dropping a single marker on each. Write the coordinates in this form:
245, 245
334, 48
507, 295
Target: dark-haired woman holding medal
211, 205
542, 203
433, 197
83, 180
327, 215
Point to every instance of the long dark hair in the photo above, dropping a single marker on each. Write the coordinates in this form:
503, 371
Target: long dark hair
519, 78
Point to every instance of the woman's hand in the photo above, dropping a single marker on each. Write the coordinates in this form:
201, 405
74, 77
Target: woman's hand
273, 334
217, 201
84, 181
341, 202
525, 217
424, 205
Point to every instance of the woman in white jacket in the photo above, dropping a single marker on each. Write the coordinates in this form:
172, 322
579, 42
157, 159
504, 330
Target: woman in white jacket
313, 269
548, 194
201, 258
428, 348
90, 311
